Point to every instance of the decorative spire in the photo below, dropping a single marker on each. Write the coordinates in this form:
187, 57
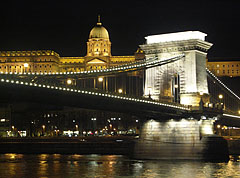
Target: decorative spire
99, 22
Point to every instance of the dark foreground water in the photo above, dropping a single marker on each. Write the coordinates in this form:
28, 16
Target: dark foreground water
110, 166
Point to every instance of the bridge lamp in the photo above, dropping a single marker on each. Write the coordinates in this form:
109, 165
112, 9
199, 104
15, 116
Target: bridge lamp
120, 90
69, 81
100, 79
220, 96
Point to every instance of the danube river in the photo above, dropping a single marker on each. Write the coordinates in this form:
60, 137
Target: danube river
110, 166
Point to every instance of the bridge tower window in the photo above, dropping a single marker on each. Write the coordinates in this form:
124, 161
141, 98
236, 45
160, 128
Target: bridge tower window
176, 88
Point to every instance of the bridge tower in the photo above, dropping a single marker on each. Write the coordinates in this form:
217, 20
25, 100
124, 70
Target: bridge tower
185, 79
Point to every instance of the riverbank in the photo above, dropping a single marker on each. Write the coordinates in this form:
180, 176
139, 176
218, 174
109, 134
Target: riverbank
80, 145
83, 145
233, 144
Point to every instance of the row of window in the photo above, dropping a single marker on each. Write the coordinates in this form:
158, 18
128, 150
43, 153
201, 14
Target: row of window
96, 67
96, 50
13, 70
22, 66
228, 65
24, 60
98, 45
228, 71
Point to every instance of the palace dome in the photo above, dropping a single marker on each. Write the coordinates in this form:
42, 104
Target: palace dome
99, 31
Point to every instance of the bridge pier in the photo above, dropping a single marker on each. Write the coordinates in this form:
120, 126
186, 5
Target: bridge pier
180, 139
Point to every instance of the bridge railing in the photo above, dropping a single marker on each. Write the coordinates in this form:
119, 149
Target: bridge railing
97, 93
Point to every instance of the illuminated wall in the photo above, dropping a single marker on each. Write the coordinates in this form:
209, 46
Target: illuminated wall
43, 61
191, 69
174, 139
224, 68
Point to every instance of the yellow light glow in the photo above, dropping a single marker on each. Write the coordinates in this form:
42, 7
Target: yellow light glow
220, 96
25, 64
69, 81
120, 90
100, 79
218, 126
187, 35
43, 126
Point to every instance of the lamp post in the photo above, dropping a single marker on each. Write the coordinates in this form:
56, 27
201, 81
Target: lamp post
120, 90
100, 80
25, 65
150, 90
220, 96
219, 129
69, 81
43, 129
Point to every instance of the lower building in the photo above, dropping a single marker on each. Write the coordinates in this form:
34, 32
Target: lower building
224, 67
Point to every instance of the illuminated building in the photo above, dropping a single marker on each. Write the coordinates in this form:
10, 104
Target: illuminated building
222, 68
46, 61
98, 56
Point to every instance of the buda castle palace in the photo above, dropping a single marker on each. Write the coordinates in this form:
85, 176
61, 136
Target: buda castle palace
46, 61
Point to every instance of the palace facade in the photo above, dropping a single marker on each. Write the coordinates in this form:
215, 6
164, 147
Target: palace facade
224, 68
46, 61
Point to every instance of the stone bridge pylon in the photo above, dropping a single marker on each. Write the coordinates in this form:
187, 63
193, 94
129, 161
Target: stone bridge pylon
183, 81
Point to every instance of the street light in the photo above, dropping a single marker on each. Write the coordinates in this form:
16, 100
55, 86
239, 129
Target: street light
69, 81
100, 79
220, 96
120, 90
25, 65
43, 128
219, 129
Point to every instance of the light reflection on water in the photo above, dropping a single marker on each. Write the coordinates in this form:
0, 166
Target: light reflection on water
110, 166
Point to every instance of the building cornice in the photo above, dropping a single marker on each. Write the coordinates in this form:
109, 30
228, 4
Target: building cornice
28, 53
176, 46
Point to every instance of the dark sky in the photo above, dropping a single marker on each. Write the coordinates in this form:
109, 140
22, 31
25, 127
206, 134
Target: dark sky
64, 25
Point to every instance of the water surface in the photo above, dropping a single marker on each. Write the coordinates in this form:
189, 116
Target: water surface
110, 166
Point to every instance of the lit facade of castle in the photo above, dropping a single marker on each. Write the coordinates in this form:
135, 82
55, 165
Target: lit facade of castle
46, 61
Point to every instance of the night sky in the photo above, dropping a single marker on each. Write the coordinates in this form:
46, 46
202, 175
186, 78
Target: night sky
64, 26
